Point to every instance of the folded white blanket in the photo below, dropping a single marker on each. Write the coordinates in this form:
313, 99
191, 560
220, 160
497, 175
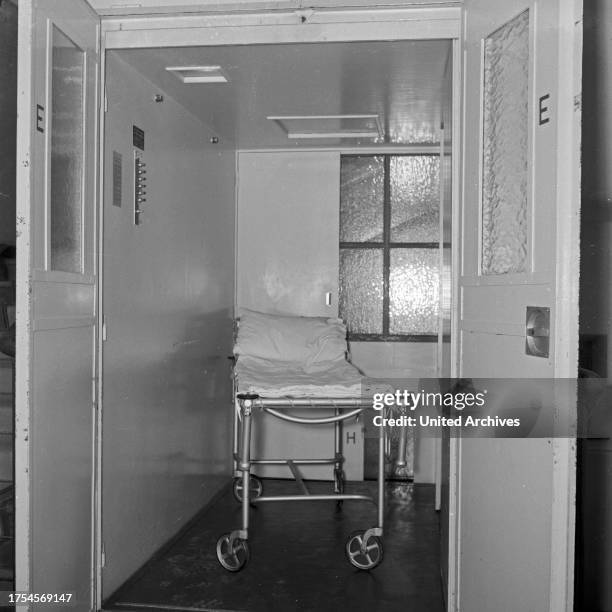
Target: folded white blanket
290, 379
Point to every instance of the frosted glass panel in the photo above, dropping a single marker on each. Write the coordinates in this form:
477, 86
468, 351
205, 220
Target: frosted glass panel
66, 177
361, 290
362, 189
505, 148
414, 289
415, 198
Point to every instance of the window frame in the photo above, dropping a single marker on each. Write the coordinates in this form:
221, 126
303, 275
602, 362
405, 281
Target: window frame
386, 247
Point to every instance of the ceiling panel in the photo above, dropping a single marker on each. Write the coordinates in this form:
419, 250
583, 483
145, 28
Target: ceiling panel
401, 82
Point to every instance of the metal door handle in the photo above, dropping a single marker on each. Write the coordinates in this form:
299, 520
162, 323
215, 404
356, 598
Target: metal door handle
537, 331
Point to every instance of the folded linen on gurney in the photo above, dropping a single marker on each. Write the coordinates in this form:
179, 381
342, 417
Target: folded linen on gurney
290, 379
288, 356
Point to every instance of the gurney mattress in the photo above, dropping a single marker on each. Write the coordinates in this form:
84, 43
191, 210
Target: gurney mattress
274, 379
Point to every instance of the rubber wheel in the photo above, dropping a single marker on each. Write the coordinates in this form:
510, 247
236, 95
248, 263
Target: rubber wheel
372, 556
235, 558
255, 487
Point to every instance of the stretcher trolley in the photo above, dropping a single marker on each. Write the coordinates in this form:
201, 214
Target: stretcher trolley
264, 385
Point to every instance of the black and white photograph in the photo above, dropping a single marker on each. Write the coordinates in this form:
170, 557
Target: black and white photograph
305, 305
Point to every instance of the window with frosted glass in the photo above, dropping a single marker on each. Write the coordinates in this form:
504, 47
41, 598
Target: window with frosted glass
66, 158
414, 284
505, 154
415, 198
361, 289
390, 246
361, 202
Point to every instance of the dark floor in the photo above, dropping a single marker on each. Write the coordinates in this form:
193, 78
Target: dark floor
297, 558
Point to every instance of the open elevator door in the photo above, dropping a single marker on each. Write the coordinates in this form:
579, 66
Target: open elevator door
520, 218
56, 298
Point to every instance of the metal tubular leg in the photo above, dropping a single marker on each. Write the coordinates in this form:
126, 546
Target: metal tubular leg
402, 466
338, 454
338, 457
381, 474
401, 451
336, 435
236, 438
245, 463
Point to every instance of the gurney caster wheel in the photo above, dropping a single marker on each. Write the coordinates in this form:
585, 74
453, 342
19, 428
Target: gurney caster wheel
233, 558
364, 558
255, 487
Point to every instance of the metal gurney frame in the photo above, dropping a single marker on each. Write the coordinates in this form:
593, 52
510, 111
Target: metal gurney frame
364, 549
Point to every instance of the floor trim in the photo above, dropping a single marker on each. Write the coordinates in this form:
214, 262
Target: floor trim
123, 605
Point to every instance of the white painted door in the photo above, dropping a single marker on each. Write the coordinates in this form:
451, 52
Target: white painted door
514, 529
56, 247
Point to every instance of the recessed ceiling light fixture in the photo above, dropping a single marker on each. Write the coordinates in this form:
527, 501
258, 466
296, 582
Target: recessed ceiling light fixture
199, 74
329, 126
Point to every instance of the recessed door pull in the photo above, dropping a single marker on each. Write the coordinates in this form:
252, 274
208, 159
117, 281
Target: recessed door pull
537, 331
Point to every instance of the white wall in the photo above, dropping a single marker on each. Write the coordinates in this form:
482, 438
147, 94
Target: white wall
287, 259
287, 232
169, 290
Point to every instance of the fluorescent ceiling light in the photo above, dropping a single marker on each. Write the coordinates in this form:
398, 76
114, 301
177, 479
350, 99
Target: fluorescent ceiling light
329, 126
199, 74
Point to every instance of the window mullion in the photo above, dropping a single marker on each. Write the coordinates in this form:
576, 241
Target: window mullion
386, 241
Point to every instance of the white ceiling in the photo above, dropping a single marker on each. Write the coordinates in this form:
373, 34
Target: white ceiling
403, 82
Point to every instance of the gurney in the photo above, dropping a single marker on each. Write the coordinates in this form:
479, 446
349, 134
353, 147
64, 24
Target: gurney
284, 363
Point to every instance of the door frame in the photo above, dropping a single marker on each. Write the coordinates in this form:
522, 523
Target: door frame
567, 298
338, 24
23, 305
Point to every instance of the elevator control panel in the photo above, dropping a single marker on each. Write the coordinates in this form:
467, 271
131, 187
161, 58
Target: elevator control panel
140, 174
140, 186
